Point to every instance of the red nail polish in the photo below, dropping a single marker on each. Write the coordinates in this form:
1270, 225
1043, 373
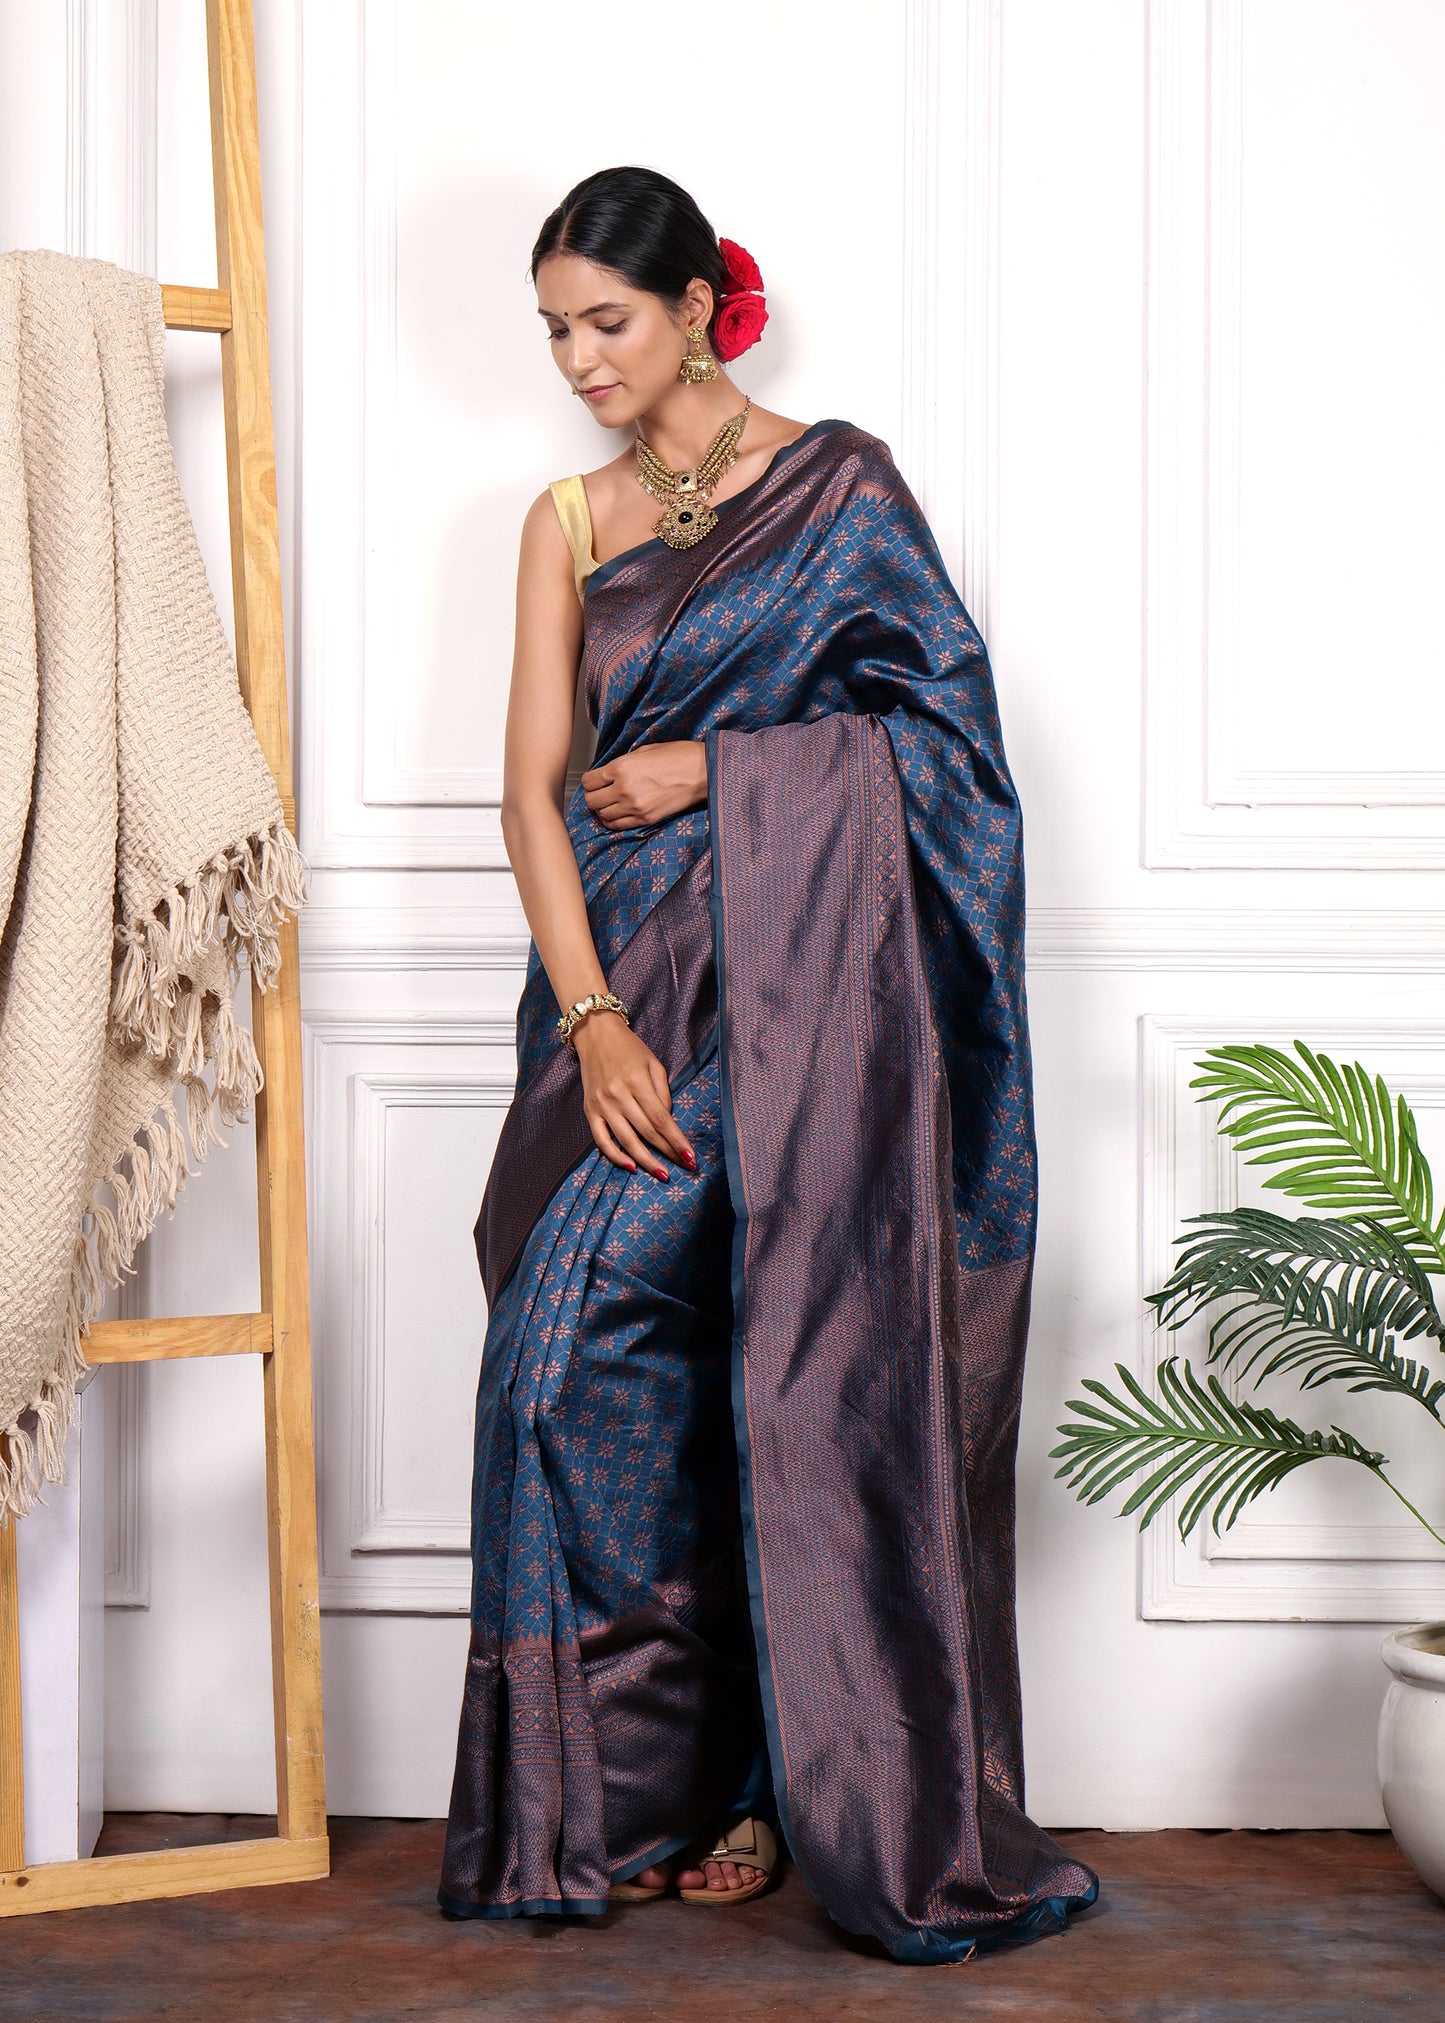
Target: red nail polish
692, 1162
632, 1165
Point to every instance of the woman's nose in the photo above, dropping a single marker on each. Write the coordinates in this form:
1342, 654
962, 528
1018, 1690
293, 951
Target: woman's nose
579, 358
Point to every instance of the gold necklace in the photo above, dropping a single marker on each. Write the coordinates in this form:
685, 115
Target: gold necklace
684, 493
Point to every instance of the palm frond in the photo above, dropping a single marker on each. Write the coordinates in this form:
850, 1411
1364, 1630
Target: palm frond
1251, 1342
1324, 1297
1342, 1142
1195, 1436
1303, 1265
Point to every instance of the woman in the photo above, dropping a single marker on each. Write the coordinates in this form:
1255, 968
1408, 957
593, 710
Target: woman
757, 1237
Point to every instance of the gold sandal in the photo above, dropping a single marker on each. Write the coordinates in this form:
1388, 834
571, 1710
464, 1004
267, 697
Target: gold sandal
751, 1843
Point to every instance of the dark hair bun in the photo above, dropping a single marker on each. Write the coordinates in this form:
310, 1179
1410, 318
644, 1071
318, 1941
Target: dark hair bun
643, 226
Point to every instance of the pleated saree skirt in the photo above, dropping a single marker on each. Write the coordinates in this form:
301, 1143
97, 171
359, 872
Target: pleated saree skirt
610, 1709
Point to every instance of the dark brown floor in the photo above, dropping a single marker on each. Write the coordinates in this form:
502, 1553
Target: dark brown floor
1190, 1928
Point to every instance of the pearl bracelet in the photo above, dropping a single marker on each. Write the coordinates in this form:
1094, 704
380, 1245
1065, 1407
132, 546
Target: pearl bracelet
597, 1000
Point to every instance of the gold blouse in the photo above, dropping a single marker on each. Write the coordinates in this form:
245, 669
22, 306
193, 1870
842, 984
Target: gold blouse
569, 496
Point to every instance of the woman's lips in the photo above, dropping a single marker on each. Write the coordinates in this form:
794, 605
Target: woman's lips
600, 392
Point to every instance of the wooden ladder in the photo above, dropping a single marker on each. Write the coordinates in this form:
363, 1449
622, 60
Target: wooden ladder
280, 1334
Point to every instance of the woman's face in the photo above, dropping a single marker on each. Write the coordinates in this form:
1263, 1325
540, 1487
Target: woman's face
619, 345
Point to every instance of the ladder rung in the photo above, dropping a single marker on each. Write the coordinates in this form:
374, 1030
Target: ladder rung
160, 1872
202, 1335
196, 308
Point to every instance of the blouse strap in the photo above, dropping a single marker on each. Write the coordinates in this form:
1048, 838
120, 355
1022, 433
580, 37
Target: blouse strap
569, 496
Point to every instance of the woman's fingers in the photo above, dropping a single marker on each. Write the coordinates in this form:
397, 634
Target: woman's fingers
608, 1146
644, 1130
641, 1154
660, 1124
674, 1139
648, 1127
615, 810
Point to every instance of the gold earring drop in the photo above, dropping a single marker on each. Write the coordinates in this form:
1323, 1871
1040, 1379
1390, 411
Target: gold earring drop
698, 363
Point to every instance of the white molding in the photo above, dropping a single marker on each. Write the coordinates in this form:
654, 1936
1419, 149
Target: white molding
455, 937
360, 1066
128, 1459
1387, 942
1263, 1570
948, 444
110, 131
1236, 784
467, 937
359, 808
127, 1486
142, 108
923, 133
332, 1027
1203, 804
983, 136
1230, 780
378, 1526
1224, 290
1332, 1542
80, 127
386, 636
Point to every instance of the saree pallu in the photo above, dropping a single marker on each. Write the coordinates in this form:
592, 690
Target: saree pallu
743, 1502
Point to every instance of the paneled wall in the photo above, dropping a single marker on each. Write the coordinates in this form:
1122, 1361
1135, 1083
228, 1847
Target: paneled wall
1143, 296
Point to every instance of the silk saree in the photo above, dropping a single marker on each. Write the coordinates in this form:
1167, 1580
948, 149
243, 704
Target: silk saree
743, 1502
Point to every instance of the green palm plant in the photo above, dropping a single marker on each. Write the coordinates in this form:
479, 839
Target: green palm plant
1332, 1299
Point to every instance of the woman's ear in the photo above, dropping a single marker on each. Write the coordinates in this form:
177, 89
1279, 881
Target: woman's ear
699, 303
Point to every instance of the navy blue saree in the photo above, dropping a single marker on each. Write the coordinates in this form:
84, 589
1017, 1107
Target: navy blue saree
743, 1506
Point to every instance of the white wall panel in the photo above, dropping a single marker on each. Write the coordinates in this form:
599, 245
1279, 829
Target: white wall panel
1297, 188
404, 1114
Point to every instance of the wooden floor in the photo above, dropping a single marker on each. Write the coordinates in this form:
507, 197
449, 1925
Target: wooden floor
1189, 1928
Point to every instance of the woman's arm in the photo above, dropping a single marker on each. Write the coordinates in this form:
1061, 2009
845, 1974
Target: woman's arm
625, 1089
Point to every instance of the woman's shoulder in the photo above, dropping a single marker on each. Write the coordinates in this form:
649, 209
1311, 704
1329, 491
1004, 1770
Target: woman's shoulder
832, 438
853, 463
850, 439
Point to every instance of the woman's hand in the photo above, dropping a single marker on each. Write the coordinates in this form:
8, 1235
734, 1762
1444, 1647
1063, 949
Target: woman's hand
647, 784
626, 1095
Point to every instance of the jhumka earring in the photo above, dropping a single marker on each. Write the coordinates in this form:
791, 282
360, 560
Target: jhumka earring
698, 363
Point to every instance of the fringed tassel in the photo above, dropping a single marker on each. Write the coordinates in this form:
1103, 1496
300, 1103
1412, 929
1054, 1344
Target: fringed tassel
186, 1049
201, 1117
32, 1448
237, 903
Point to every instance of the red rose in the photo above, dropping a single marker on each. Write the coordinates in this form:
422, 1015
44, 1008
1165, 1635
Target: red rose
740, 320
742, 268
741, 310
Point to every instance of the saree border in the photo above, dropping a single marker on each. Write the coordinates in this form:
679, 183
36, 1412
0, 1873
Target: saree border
732, 1154
921, 1943
526, 1907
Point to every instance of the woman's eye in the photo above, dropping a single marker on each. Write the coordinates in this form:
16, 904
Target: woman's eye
611, 329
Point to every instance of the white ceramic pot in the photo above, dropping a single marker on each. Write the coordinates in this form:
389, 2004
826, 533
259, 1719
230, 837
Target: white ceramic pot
1412, 1748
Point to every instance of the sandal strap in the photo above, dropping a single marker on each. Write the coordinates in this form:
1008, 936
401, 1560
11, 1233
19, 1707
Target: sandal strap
750, 1841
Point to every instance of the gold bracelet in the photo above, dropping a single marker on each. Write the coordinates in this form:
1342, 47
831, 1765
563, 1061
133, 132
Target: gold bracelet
597, 1000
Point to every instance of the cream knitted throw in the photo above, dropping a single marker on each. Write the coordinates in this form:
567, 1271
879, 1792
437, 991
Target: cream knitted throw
143, 854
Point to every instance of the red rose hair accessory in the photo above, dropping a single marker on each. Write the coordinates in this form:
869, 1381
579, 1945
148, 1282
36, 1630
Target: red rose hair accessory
742, 311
